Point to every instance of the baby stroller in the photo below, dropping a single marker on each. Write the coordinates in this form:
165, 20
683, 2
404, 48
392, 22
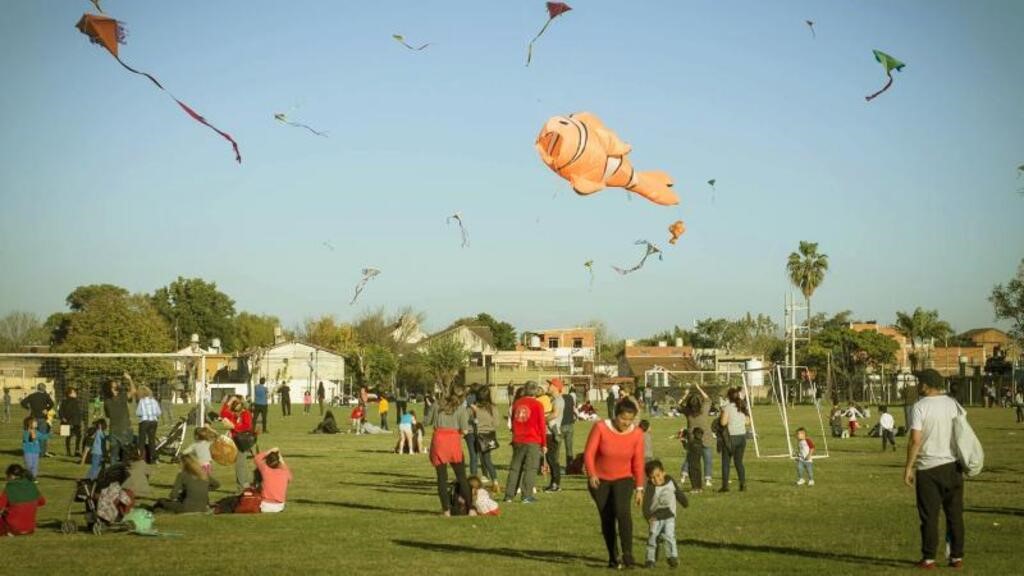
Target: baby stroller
171, 443
98, 515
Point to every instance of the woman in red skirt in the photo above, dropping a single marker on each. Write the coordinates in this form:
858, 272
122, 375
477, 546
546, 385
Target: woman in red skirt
451, 422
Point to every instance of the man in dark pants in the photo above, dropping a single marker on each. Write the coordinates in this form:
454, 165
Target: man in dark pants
286, 399
260, 401
401, 402
38, 404
568, 420
554, 425
119, 422
933, 469
70, 413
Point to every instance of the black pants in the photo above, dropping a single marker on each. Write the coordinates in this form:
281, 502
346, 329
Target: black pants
552, 459
941, 487
384, 421
1020, 413
889, 436
147, 440
695, 465
613, 500
259, 410
76, 433
286, 408
460, 478
739, 445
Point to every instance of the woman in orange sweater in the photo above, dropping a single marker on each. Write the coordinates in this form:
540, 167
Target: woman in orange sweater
614, 460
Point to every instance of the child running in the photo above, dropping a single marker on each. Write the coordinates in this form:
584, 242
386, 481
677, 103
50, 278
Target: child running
804, 458
659, 508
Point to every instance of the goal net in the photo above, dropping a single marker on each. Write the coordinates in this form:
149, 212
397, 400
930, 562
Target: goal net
774, 421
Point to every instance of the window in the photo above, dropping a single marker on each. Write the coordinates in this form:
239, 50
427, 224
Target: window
553, 342
577, 342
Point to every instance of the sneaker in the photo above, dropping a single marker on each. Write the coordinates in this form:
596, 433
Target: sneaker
707, 480
684, 477
926, 565
800, 482
673, 562
529, 500
956, 563
810, 482
553, 488
649, 564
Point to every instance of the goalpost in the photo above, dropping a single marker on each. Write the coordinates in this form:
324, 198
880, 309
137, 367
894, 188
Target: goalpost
779, 397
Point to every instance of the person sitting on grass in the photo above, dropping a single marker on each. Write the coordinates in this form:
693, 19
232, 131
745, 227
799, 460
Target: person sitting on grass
328, 425
18, 503
138, 473
191, 490
274, 478
483, 503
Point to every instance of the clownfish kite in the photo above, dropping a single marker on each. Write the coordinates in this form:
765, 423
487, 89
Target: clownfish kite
890, 64
401, 40
108, 32
368, 274
591, 157
651, 249
555, 9
281, 117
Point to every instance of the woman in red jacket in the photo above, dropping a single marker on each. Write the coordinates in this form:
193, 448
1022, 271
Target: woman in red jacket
238, 418
614, 460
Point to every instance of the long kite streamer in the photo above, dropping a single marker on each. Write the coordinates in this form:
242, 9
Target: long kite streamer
890, 64
462, 227
651, 249
555, 9
368, 274
589, 265
281, 117
108, 33
401, 40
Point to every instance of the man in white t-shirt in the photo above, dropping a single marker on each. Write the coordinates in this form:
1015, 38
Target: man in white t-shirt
933, 469
887, 427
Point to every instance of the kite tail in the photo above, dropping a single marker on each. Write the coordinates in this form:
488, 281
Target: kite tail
884, 88
324, 134
529, 49
195, 116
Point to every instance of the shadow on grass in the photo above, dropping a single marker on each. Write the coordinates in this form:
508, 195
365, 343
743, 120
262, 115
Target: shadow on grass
800, 552
1002, 510
361, 506
293, 456
368, 451
547, 556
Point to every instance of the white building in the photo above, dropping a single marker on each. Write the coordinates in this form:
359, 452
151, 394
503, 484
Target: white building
302, 366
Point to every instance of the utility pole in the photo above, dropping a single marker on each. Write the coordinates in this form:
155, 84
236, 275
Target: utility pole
793, 331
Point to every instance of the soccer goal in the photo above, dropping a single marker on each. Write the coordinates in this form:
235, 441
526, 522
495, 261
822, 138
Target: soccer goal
774, 438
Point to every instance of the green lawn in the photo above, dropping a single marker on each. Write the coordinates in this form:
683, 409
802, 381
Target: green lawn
356, 508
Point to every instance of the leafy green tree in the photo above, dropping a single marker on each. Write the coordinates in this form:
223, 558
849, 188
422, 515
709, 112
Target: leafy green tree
194, 306
81, 296
326, 332
444, 358
807, 269
254, 330
380, 365
1008, 303
19, 329
921, 326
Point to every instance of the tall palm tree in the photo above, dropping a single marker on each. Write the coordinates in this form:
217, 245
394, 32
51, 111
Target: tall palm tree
807, 270
920, 326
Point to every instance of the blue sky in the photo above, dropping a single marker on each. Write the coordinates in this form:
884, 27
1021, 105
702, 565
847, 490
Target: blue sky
912, 196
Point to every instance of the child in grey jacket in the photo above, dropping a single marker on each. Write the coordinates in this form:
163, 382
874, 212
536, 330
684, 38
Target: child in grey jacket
660, 498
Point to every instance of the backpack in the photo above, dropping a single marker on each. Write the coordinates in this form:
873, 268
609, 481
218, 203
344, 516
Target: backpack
966, 445
459, 507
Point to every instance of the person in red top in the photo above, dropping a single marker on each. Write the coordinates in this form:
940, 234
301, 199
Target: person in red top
614, 460
18, 503
529, 441
275, 476
238, 418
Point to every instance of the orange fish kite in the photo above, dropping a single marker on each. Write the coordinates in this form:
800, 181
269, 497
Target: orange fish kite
591, 157
677, 229
108, 32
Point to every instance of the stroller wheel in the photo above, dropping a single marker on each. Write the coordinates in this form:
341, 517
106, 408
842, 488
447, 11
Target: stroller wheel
68, 527
97, 528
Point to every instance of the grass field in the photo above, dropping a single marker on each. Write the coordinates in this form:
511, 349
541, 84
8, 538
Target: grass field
356, 508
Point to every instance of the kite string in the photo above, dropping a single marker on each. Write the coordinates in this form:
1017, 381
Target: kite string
529, 50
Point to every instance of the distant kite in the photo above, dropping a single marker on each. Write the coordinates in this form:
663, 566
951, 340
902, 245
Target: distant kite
589, 265
712, 184
890, 64
281, 117
1020, 171
555, 9
327, 244
108, 32
96, 3
462, 227
368, 274
810, 24
579, 148
651, 249
401, 40
676, 230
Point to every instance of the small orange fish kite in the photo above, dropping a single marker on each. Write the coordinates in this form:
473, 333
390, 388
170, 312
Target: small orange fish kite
677, 229
591, 157
108, 32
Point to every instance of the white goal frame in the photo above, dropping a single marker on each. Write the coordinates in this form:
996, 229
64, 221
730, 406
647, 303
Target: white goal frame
778, 391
